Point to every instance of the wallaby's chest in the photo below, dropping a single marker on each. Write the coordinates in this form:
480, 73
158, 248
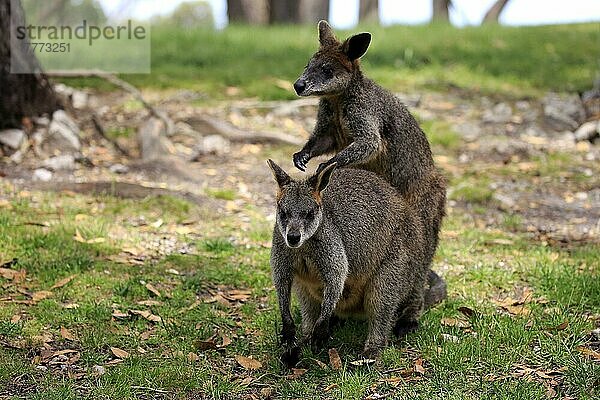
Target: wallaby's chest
307, 276
340, 130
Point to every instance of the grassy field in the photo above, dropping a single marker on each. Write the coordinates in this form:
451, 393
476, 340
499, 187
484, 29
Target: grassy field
96, 313
261, 62
110, 298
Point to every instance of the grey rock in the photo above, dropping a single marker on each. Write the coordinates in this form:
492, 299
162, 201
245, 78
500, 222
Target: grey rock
588, 131
152, 139
501, 113
522, 105
17, 157
41, 121
212, 144
563, 112
506, 203
79, 99
12, 138
63, 134
58, 163
42, 174
119, 169
468, 130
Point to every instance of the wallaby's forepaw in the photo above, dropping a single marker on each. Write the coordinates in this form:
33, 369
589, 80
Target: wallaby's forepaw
290, 356
404, 327
320, 334
300, 159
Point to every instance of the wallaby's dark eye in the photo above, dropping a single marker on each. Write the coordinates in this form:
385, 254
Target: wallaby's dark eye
327, 71
310, 214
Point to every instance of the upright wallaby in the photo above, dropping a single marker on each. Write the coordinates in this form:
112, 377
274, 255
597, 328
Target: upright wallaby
349, 247
369, 128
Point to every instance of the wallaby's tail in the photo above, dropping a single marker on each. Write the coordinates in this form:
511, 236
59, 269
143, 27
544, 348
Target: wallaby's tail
436, 291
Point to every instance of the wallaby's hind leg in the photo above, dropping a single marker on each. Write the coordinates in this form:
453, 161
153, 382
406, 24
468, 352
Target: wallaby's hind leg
409, 312
381, 304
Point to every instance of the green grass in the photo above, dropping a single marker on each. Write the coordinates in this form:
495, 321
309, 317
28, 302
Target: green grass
485, 360
515, 61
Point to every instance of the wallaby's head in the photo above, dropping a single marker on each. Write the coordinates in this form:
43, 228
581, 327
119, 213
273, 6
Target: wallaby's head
299, 205
330, 69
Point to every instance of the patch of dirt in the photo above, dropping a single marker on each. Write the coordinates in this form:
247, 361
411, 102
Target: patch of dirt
567, 211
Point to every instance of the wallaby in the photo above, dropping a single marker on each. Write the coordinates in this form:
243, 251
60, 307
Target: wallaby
369, 128
348, 245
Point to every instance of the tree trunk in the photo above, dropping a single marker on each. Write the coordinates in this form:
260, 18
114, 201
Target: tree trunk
312, 11
368, 11
284, 11
21, 95
253, 12
235, 11
493, 14
441, 11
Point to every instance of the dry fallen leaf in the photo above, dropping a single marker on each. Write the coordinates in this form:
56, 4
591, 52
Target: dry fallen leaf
152, 289
419, 369
192, 356
12, 274
460, 323
62, 282
119, 353
41, 295
226, 341
334, 360
66, 334
149, 303
77, 237
296, 373
559, 327
146, 314
588, 352
363, 361
328, 388
203, 345
248, 363
119, 314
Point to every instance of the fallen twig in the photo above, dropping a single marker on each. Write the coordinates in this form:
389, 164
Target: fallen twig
102, 132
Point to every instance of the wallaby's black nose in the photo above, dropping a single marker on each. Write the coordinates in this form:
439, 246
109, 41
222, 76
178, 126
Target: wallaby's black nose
299, 86
293, 238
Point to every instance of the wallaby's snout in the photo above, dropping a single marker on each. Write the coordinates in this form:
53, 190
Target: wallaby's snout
293, 237
299, 86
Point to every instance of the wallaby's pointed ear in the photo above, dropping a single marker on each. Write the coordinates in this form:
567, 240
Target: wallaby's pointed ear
280, 175
326, 35
319, 182
356, 46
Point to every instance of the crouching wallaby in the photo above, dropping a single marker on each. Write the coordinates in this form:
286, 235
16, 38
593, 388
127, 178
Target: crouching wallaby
367, 127
348, 245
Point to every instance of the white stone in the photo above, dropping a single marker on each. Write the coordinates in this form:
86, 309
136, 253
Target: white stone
587, 131
62, 162
63, 133
42, 174
12, 138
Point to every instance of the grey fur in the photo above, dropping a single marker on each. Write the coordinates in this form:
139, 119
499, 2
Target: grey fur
361, 252
367, 127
